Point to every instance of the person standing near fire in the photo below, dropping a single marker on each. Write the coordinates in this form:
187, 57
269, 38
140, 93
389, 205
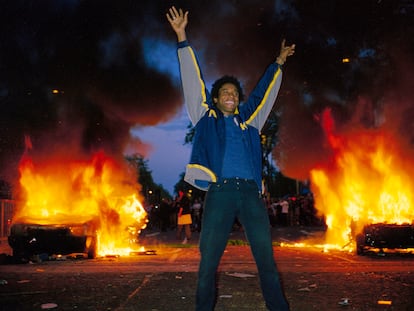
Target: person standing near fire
184, 219
226, 162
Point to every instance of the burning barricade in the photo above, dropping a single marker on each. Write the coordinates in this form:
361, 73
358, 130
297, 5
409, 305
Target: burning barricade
81, 208
366, 191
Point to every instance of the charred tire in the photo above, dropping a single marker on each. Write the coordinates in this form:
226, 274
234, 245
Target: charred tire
91, 247
21, 256
360, 244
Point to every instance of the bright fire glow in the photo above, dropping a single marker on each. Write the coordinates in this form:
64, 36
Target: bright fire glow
98, 192
367, 182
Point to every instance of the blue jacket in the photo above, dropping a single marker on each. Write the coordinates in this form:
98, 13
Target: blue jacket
208, 144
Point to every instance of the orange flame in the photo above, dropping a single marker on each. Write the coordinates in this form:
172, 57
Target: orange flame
366, 183
99, 191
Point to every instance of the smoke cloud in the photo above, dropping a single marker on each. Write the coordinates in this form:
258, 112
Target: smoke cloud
77, 75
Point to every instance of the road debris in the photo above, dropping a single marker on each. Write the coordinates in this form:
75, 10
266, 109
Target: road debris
145, 252
241, 275
344, 302
49, 305
226, 296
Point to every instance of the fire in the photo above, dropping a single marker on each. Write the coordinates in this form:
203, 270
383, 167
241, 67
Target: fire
97, 192
367, 182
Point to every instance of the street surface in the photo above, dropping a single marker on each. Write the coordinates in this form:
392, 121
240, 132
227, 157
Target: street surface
312, 279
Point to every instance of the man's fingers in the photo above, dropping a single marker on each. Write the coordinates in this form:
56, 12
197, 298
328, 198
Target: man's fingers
174, 14
174, 10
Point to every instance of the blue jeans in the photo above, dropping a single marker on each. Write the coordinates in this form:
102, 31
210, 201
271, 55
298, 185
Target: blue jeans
224, 201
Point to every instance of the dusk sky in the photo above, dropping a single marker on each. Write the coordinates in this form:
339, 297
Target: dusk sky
167, 155
113, 65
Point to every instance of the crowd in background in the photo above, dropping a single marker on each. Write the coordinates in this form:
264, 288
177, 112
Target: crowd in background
294, 211
287, 211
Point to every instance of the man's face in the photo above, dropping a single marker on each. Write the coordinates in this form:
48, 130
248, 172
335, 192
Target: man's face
228, 99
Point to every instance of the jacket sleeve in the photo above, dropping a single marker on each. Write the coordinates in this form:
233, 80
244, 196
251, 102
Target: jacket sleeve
259, 104
194, 89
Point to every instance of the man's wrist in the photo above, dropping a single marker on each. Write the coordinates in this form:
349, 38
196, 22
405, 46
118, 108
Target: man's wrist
182, 44
280, 60
181, 36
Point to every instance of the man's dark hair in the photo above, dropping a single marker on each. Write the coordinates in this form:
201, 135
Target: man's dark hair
223, 80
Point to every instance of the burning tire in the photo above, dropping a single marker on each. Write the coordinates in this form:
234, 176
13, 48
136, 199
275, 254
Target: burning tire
91, 247
360, 244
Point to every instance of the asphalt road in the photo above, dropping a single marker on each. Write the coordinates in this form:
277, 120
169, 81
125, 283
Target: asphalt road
312, 279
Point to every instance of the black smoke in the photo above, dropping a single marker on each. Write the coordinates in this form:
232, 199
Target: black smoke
91, 53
